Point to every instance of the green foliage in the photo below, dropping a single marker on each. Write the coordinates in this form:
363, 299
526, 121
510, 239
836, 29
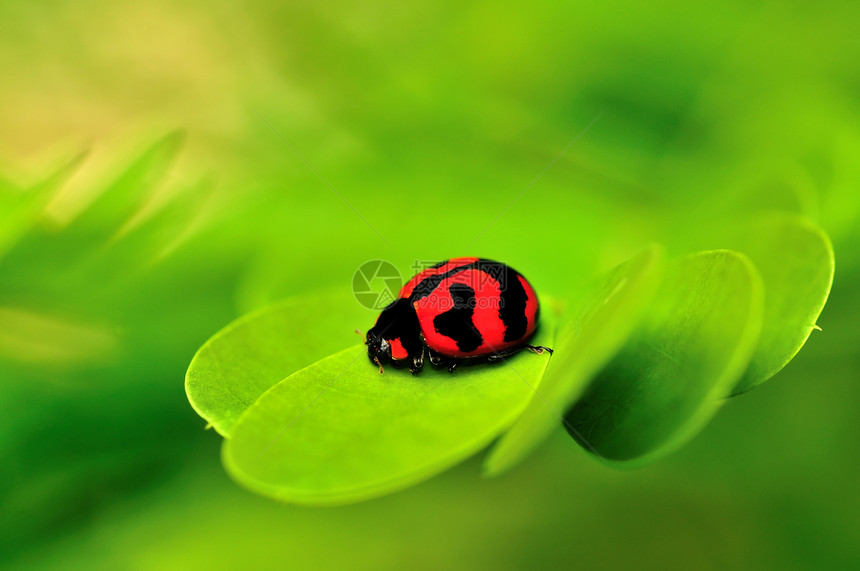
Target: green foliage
452, 130
689, 351
796, 262
20, 212
243, 361
85, 364
337, 431
590, 331
642, 361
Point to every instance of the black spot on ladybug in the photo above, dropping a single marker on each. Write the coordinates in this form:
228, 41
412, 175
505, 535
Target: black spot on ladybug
512, 304
457, 323
430, 283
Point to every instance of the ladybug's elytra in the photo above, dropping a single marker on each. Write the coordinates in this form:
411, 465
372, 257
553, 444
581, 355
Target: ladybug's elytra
459, 309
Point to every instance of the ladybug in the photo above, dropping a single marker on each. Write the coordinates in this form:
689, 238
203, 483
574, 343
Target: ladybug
456, 310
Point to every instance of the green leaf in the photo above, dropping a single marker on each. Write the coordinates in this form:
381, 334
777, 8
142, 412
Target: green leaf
25, 210
158, 235
692, 346
338, 431
590, 332
123, 197
255, 352
796, 262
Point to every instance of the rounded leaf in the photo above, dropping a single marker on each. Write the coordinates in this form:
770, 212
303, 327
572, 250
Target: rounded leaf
796, 262
255, 352
338, 431
692, 346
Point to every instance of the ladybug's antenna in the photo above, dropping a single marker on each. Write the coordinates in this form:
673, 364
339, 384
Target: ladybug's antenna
360, 333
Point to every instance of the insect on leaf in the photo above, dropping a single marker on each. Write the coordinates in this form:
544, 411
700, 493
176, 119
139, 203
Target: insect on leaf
338, 431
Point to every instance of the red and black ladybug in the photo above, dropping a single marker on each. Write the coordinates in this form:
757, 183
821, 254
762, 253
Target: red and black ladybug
459, 309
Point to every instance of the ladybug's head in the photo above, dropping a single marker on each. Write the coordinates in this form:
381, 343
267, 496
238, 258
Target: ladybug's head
395, 336
378, 349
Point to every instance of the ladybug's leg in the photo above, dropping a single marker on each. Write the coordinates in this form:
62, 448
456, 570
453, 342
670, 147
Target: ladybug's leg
441, 360
417, 361
537, 349
435, 358
508, 352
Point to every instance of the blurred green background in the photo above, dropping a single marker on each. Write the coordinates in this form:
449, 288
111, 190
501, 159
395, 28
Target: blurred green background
429, 119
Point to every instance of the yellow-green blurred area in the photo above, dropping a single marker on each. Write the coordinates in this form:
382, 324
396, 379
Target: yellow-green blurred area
426, 131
